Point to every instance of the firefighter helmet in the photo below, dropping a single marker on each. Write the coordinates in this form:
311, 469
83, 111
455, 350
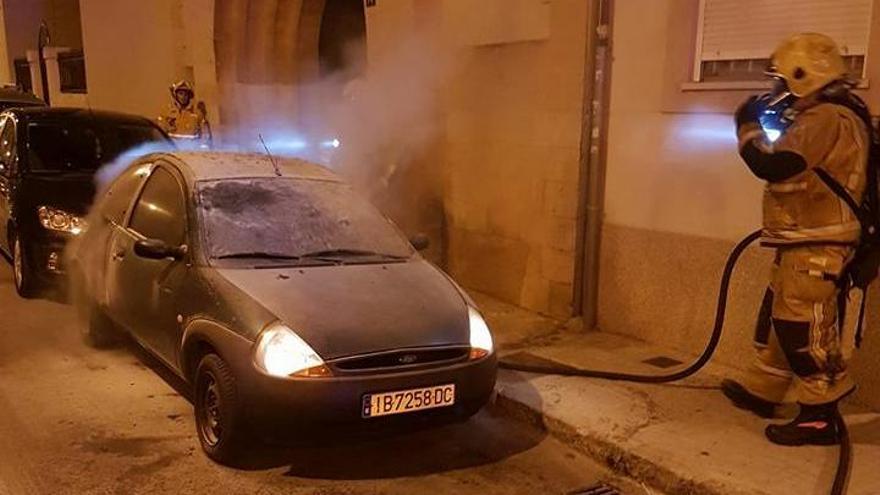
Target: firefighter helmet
182, 85
807, 62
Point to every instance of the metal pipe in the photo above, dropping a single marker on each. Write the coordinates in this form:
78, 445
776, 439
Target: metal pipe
593, 153
43, 40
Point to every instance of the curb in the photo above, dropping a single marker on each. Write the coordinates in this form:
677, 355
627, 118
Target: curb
613, 455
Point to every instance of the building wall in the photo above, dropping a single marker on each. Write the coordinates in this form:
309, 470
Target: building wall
513, 119
135, 50
22, 25
678, 197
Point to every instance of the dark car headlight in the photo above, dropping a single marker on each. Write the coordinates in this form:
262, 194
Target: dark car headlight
481, 337
61, 221
281, 352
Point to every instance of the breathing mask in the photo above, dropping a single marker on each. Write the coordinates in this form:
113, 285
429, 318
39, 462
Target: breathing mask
776, 110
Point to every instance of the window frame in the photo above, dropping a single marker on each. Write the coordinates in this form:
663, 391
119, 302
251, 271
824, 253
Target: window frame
181, 184
683, 96
697, 74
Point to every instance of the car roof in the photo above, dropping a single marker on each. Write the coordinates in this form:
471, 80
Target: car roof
15, 95
36, 114
219, 165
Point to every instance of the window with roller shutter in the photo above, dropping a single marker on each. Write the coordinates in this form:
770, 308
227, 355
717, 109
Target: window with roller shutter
736, 37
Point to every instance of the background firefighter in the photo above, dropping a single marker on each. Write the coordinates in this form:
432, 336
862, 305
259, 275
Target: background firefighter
185, 119
802, 351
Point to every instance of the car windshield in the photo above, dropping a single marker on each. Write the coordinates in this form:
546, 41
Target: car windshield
281, 220
78, 145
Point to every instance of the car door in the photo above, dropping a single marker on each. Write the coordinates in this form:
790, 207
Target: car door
111, 212
144, 291
7, 176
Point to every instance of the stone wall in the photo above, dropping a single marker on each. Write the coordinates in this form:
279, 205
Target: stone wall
513, 115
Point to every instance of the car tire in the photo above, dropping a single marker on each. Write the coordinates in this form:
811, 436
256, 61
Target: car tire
23, 275
218, 411
99, 331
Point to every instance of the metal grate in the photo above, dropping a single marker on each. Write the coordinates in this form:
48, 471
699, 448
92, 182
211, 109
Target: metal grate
597, 489
395, 359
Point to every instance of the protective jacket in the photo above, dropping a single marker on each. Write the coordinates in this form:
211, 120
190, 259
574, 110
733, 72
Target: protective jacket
799, 208
186, 123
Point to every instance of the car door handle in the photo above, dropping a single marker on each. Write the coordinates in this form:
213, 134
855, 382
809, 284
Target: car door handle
118, 255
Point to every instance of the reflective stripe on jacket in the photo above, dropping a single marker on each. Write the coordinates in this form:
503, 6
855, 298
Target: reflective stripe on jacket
800, 208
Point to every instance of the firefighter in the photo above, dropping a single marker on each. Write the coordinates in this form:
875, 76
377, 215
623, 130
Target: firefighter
802, 353
186, 120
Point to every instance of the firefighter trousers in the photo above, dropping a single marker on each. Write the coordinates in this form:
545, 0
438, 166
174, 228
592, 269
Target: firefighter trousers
802, 353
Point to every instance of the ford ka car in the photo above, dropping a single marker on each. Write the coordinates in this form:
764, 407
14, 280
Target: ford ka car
286, 301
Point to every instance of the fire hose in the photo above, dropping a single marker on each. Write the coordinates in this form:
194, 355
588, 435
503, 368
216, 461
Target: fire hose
845, 454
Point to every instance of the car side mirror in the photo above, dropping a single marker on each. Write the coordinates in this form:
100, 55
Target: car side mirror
156, 249
420, 242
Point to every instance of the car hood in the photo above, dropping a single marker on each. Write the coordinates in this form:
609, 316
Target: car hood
355, 309
73, 193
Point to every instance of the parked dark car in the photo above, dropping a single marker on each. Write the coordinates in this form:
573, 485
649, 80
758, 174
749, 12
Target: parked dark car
12, 97
48, 159
287, 302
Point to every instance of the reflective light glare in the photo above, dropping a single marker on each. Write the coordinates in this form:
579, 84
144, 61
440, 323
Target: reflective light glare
281, 352
332, 143
481, 337
60, 220
772, 134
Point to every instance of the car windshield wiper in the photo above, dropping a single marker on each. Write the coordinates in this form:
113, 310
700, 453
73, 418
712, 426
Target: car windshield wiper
348, 253
257, 255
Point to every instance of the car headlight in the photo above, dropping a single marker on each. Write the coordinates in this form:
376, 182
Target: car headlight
60, 220
281, 352
481, 337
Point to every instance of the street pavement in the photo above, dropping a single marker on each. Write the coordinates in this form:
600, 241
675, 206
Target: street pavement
681, 437
74, 420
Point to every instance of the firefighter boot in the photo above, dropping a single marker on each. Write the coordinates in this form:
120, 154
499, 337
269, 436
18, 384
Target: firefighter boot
815, 425
744, 399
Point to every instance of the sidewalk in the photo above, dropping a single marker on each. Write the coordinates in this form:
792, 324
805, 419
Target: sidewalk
681, 438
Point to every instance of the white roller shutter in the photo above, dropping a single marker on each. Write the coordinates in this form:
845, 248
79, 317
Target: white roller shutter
751, 29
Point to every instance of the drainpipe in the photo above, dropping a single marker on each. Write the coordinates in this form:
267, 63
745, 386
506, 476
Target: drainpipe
593, 153
43, 40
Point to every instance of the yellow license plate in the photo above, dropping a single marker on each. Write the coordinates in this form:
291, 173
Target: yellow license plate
404, 401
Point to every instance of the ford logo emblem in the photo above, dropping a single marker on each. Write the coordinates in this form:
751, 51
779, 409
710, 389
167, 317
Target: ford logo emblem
408, 359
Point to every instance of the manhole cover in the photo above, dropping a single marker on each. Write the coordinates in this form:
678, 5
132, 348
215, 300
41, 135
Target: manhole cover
597, 489
662, 362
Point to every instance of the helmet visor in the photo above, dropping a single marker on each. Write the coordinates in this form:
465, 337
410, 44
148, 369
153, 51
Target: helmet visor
778, 91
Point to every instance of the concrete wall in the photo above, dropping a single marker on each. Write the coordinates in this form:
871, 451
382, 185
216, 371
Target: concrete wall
678, 197
513, 115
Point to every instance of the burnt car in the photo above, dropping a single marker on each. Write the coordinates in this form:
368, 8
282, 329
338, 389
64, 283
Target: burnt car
285, 301
48, 160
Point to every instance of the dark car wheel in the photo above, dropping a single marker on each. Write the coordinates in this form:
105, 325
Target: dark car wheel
99, 331
218, 411
25, 280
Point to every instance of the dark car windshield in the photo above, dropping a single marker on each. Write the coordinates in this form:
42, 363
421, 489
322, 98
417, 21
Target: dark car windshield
80, 145
278, 218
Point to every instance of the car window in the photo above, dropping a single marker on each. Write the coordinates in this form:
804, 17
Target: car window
119, 196
7, 146
82, 145
160, 211
292, 217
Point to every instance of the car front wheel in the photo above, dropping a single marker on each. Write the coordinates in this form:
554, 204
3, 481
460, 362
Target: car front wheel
25, 279
218, 411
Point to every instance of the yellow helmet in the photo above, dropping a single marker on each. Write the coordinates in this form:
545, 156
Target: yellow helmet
807, 62
182, 85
